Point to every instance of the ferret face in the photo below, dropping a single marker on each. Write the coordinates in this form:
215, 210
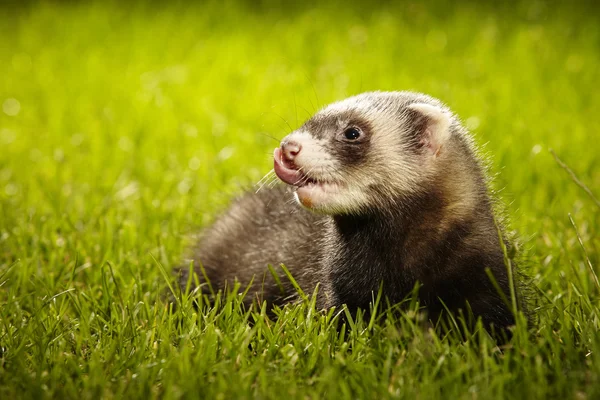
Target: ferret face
363, 151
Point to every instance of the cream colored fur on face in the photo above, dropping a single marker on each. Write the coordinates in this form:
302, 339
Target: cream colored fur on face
314, 160
393, 169
341, 194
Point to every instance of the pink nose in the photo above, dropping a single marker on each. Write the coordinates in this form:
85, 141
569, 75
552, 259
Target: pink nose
290, 149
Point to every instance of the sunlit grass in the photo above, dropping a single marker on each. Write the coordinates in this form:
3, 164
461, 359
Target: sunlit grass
124, 129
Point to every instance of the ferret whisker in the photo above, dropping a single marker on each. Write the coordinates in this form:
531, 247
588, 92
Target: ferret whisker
268, 176
273, 182
270, 137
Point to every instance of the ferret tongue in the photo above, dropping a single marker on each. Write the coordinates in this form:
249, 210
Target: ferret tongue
288, 175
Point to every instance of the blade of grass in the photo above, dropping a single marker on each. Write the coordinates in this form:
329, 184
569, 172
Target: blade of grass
575, 179
587, 257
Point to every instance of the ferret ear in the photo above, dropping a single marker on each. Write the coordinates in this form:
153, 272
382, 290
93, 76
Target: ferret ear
433, 125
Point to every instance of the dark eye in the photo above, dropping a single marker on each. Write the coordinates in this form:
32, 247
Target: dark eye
352, 133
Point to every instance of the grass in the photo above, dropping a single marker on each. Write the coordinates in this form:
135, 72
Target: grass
124, 129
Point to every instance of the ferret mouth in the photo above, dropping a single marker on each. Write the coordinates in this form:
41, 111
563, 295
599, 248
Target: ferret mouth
312, 193
291, 175
287, 173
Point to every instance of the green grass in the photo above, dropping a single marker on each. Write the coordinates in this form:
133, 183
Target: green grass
124, 129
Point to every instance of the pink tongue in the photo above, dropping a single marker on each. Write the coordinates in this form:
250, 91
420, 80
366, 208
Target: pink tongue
288, 175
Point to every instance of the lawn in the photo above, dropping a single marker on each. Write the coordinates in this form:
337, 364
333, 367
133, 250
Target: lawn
126, 128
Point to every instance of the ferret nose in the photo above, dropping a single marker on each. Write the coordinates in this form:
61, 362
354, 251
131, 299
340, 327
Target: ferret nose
290, 149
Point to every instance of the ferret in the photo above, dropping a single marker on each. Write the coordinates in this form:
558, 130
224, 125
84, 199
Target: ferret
383, 191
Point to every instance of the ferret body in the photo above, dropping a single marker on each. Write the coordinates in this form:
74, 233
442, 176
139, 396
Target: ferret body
384, 190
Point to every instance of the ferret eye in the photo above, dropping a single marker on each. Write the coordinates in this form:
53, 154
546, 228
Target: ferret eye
352, 133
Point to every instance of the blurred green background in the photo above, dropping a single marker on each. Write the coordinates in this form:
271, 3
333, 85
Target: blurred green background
168, 105
126, 127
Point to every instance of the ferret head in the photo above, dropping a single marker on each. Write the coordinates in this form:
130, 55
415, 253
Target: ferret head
365, 151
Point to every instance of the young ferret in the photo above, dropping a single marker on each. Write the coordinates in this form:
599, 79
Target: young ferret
382, 190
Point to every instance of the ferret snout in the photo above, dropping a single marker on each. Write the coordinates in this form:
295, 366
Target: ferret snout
290, 149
